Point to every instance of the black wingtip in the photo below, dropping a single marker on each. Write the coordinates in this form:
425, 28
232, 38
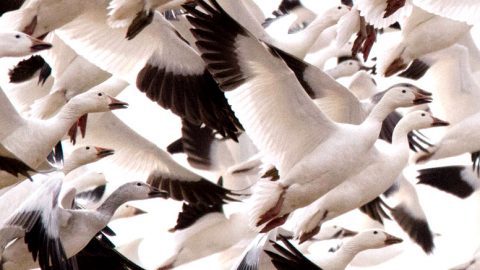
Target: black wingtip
418, 229
374, 209
142, 20
176, 147
416, 70
25, 70
448, 179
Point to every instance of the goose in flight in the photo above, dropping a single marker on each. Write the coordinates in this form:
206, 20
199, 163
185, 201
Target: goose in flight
297, 138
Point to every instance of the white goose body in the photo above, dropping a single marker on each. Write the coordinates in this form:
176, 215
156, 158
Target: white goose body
384, 166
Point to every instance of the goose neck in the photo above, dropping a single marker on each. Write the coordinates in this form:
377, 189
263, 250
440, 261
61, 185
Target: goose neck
110, 205
346, 253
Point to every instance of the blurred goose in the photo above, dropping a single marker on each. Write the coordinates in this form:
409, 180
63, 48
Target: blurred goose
289, 257
384, 167
346, 68
70, 222
292, 155
303, 16
84, 155
417, 29
17, 133
15, 44
204, 230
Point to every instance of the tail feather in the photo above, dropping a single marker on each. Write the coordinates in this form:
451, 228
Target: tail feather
265, 197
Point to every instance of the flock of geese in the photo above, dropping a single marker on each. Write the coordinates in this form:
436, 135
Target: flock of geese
290, 121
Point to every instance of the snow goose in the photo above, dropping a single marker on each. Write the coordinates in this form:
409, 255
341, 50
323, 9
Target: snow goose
247, 76
418, 29
15, 43
68, 223
289, 257
384, 167
17, 131
184, 89
459, 84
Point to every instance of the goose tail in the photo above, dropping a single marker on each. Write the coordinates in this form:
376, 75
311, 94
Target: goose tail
264, 203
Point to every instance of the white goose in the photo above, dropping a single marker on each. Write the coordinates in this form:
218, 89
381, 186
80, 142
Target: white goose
306, 137
66, 224
31, 140
289, 257
15, 44
384, 167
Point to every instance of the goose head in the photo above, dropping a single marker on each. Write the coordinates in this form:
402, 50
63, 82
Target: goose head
333, 232
88, 154
375, 239
126, 211
403, 95
421, 119
331, 15
140, 191
97, 101
13, 44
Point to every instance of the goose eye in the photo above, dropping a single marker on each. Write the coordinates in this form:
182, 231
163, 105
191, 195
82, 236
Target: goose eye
375, 232
404, 91
139, 184
334, 226
339, 7
88, 147
17, 36
350, 63
100, 94
423, 114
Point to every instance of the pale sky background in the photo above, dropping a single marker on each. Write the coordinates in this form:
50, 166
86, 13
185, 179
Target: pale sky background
457, 221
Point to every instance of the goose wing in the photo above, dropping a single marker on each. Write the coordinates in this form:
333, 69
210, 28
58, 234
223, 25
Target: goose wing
159, 62
9, 117
272, 105
134, 153
39, 216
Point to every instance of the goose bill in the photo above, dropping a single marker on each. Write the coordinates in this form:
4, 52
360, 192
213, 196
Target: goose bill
104, 152
421, 97
391, 240
439, 123
156, 193
38, 45
117, 104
